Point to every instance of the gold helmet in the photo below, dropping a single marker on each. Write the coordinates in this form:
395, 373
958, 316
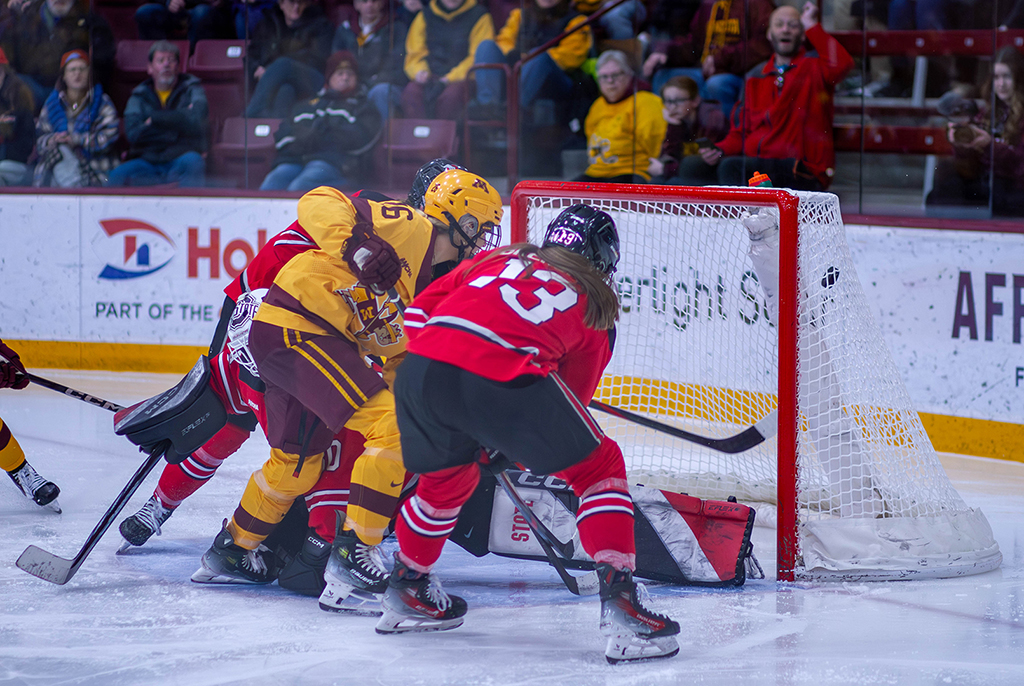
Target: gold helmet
469, 207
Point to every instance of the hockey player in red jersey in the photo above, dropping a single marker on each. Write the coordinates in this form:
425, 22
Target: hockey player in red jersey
179, 481
12, 459
505, 353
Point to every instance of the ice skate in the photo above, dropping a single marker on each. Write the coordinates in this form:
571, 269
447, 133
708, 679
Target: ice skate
227, 563
416, 602
635, 633
37, 489
356, 564
138, 528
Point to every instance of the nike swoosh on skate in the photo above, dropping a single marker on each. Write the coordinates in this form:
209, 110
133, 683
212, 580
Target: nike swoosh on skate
470, 532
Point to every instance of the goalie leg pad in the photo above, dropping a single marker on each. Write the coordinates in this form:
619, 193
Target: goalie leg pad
185, 417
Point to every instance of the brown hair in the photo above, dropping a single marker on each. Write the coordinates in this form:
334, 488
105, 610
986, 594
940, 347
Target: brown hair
1014, 126
683, 83
602, 300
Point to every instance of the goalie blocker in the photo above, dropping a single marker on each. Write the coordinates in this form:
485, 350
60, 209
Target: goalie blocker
679, 539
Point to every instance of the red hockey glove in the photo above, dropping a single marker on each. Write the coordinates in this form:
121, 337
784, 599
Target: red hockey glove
12, 371
375, 263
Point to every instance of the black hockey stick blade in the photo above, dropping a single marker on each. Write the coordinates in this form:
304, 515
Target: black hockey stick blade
59, 570
78, 395
585, 584
753, 436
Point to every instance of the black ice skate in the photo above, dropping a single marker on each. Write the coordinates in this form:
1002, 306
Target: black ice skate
37, 489
635, 633
227, 563
355, 577
138, 528
416, 602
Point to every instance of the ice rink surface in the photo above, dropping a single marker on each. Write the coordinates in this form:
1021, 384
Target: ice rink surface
137, 619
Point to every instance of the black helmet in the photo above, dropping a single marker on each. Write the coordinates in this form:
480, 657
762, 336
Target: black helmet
588, 232
424, 176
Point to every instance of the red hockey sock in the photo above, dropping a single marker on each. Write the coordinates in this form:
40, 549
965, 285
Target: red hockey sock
605, 514
179, 481
428, 517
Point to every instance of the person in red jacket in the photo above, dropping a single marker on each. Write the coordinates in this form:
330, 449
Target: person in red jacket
785, 119
505, 352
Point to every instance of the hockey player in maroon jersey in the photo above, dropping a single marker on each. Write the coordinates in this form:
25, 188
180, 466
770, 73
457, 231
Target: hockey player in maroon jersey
505, 352
179, 481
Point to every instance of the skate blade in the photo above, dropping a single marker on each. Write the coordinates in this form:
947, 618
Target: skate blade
394, 623
342, 597
204, 575
124, 548
632, 648
53, 506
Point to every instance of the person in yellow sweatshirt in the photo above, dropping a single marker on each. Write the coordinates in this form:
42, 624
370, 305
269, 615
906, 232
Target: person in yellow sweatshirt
624, 128
439, 51
545, 76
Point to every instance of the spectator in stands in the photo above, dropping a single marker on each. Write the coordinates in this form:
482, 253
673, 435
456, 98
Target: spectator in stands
16, 135
439, 50
379, 45
545, 76
247, 14
166, 122
77, 129
406, 10
619, 23
692, 125
624, 128
46, 30
163, 18
991, 145
785, 119
288, 53
324, 142
725, 41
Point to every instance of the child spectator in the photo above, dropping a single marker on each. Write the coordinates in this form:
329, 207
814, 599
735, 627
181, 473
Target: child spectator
692, 124
991, 144
725, 41
288, 52
545, 75
16, 127
47, 29
624, 128
321, 144
379, 46
439, 50
77, 129
166, 121
785, 119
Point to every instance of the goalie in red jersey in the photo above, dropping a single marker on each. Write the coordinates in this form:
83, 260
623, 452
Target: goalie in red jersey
505, 353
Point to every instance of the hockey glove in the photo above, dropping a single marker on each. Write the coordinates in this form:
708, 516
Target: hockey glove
12, 371
375, 263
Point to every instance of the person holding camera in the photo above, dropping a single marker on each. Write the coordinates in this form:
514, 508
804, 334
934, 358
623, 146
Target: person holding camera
988, 146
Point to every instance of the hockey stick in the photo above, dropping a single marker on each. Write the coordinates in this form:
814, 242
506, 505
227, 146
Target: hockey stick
78, 395
58, 570
757, 434
585, 584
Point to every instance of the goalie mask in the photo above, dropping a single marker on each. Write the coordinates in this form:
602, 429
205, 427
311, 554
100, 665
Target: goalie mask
427, 173
588, 232
469, 207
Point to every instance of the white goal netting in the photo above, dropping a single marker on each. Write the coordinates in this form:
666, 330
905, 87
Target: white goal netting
697, 348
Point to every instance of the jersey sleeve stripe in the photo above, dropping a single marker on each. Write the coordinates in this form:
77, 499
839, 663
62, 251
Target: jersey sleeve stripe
480, 331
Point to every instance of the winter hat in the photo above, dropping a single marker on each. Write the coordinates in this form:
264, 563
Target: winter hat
73, 55
341, 58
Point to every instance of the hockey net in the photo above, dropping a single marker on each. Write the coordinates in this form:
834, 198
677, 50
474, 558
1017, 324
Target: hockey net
851, 479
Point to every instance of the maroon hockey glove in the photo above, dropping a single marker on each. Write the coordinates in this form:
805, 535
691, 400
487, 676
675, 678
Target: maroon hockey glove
12, 371
375, 263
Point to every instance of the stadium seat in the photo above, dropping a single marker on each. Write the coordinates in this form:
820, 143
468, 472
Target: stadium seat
225, 100
218, 60
244, 141
410, 143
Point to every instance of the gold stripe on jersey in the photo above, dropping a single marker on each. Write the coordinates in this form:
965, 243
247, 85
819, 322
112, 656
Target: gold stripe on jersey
348, 379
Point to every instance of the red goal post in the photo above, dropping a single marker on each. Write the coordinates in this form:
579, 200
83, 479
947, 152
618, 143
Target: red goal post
828, 503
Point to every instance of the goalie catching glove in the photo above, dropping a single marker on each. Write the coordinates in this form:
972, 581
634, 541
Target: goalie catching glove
372, 260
